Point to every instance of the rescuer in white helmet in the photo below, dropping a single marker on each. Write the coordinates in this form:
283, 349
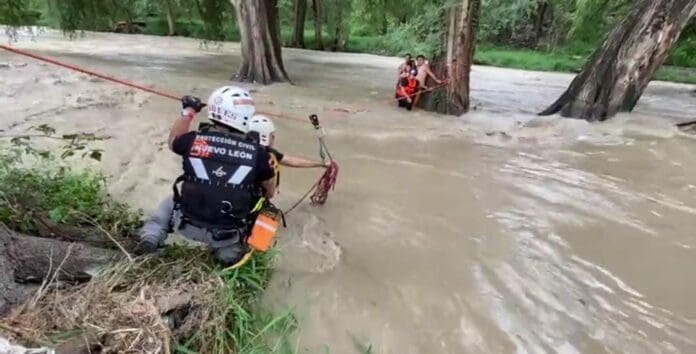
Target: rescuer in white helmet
225, 174
263, 129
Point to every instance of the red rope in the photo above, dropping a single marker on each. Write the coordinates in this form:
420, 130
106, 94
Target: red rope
88, 72
326, 183
443, 84
118, 81
321, 188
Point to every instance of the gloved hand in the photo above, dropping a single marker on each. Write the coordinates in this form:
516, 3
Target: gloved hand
191, 105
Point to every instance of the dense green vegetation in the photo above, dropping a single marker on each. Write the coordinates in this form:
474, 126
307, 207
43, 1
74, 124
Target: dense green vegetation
551, 35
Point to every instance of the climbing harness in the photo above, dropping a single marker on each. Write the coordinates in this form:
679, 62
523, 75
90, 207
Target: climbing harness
327, 182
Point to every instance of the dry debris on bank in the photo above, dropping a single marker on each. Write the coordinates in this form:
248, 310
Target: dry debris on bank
148, 305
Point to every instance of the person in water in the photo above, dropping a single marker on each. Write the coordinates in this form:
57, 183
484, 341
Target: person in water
262, 129
407, 89
406, 66
225, 174
424, 72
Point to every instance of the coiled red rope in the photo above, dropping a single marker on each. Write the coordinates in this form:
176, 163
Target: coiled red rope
326, 183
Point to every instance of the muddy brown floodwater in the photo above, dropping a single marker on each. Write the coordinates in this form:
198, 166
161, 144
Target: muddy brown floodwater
497, 232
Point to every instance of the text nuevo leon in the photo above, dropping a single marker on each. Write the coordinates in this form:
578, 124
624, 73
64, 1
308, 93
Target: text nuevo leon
230, 152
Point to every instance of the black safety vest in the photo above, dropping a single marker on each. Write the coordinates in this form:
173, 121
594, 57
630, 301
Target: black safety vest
218, 189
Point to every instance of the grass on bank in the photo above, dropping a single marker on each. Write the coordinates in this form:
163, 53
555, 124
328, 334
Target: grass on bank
122, 307
560, 61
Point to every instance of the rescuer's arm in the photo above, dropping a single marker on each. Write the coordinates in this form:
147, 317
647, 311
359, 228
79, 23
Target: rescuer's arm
298, 162
190, 106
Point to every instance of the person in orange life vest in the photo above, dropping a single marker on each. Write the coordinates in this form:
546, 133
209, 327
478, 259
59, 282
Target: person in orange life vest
404, 69
262, 129
407, 88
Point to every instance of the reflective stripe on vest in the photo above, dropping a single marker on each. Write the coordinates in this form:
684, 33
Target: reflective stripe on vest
219, 183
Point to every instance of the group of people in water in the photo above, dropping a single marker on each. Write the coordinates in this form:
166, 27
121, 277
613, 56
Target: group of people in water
412, 81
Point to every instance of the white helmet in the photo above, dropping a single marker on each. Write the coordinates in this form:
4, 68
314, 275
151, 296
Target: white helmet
264, 126
231, 106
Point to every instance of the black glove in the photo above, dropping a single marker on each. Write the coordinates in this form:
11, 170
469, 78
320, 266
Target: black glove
192, 102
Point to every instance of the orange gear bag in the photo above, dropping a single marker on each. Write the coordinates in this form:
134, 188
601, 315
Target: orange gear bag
264, 231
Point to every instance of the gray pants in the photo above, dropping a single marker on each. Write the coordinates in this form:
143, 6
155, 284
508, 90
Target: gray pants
156, 230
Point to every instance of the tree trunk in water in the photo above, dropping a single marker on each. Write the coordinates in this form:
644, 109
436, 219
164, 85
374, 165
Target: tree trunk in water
298, 29
316, 11
539, 27
459, 54
615, 76
170, 17
261, 49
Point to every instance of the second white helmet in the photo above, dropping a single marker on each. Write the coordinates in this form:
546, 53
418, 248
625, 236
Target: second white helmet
231, 106
264, 127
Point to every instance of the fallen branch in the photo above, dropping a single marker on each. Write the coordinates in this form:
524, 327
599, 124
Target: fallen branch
118, 244
686, 124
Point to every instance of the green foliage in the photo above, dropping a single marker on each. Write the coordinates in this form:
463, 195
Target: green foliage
561, 60
421, 34
35, 184
18, 13
684, 53
501, 19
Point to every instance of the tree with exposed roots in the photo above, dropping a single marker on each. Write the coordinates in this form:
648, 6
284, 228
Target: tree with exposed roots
615, 76
455, 63
260, 42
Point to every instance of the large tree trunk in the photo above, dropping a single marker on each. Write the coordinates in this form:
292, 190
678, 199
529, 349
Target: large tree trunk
459, 54
338, 44
540, 17
316, 11
261, 48
28, 259
170, 17
298, 30
615, 76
